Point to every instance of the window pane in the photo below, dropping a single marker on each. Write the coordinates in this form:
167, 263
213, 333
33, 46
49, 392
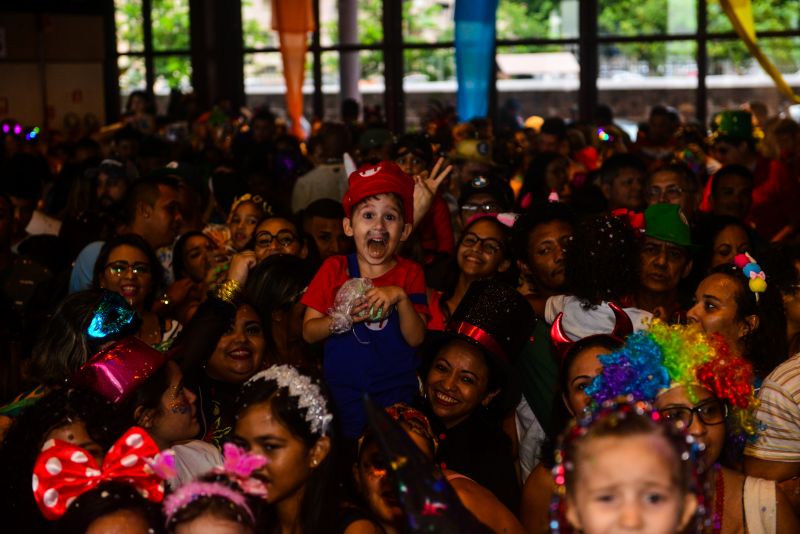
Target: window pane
257, 24
422, 66
734, 77
542, 79
172, 72
369, 26
131, 74
636, 76
170, 24
128, 21
767, 15
646, 17
370, 82
263, 73
264, 85
428, 21
525, 19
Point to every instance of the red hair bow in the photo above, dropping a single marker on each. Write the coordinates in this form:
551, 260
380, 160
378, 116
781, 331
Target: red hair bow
635, 218
63, 471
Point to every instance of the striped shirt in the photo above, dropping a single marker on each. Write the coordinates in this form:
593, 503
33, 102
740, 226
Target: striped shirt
779, 415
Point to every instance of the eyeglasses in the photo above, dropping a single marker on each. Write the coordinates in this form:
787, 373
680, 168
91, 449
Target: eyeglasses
488, 245
284, 238
489, 207
710, 412
671, 192
118, 268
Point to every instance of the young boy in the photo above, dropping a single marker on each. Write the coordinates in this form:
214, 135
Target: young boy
377, 354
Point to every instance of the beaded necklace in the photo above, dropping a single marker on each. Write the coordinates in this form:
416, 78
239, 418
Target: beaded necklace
719, 500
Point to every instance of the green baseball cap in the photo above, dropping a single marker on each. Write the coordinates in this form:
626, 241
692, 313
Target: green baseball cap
732, 123
668, 223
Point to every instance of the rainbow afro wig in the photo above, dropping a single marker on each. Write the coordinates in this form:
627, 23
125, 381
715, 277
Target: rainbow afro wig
666, 356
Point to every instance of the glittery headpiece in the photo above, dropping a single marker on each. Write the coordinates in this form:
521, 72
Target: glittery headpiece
757, 278
116, 371
654, 360
112, 319
258, 200
612, 413
189, 493
309, 396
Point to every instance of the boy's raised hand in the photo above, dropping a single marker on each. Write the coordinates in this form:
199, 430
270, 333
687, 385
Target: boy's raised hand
425, 187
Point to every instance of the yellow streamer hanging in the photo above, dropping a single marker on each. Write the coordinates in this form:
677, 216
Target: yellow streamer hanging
740, 13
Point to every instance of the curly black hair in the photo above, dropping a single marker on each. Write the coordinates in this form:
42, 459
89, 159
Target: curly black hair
602, 260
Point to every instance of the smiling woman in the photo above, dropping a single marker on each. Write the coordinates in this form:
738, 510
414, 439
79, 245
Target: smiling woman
238, 355
470, 387
285, 416
482, 252
128, 266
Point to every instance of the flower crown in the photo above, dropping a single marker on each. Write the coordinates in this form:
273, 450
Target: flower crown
309, 395
664, 356
753, 272
258, 200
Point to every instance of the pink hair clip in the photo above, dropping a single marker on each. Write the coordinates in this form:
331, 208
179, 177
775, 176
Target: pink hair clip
163, 464
239, 465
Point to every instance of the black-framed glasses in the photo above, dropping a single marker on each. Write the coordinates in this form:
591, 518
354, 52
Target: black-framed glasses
671, 192
488, 245
489, 207
118, 268
711, 412
284, 238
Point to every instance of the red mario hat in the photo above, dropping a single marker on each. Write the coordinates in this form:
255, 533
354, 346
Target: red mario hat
384, 177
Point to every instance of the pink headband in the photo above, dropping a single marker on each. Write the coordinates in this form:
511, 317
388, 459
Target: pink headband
192, 491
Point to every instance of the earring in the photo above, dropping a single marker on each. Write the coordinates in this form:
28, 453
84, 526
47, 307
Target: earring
314, 462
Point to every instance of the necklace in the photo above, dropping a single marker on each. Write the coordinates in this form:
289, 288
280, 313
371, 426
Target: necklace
719, 501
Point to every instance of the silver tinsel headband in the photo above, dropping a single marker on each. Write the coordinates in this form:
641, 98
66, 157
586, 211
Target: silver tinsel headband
309, 396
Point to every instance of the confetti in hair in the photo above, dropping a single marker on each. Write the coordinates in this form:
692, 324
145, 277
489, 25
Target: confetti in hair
618, 417
666, 356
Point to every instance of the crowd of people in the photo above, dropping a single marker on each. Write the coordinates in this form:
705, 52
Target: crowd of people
521, 327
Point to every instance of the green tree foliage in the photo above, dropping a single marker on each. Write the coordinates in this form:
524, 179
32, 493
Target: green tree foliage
725, 56
431, 21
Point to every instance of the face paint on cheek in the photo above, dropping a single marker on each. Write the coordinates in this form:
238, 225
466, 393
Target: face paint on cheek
179, 406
